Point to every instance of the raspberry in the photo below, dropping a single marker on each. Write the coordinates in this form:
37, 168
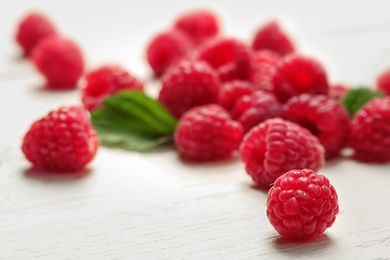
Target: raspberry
62, 141
106, 81
271, 37
31, 30
277, 146
296, 75
383, 82
199, 25
60, 61
263, 68
231, 91
253, 109
369, 130
188, 84
302, 204
324, 117
165, 49
230, 57
338, 92
207, 133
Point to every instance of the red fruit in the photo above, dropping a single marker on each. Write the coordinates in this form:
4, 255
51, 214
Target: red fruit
105, 81
383, 82
188, 84
263, 68
167, 48
369, 134
231, 91
302, 204
60, 61
62, 141
338, 92
324, 117
230, 57
271, 37
296, 75
199, 25
250, 110
207, 133
277, 146
31, 30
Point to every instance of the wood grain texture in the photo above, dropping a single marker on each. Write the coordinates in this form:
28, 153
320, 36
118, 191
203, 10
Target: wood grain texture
129, 205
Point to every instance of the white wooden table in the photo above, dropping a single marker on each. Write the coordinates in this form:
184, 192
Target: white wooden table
153, 206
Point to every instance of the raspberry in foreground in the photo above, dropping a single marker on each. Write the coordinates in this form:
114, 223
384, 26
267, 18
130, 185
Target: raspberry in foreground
62, 141
324, 117
271, 37
31, 30
199, 25
206, 133
60, 61
277, 146
105, 81
369, 131
188, 84
302, 204
230, 57
296, 75
167, 48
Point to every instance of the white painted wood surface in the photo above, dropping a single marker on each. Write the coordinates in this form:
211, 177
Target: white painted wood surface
153, 206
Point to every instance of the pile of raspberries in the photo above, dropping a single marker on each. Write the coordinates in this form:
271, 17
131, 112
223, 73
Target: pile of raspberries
262, 100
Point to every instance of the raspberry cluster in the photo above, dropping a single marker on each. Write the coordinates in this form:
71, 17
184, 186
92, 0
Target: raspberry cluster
262, 101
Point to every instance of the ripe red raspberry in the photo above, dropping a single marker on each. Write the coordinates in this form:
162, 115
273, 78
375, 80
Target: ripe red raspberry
167, 48
383, 82
296, 75
302, 204
199, 25
324, 117
277, 146
338, 92
207, 133
250, 110
230, 57
272, 37
105, 81
62, 141
60, 61
263, 68
369, 134
31, 30
231, 91
188, 84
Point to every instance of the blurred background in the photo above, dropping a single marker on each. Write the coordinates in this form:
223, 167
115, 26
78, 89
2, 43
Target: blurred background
350, 38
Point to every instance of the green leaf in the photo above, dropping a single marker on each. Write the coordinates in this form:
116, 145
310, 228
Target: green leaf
131, 141
358, 97
133, 121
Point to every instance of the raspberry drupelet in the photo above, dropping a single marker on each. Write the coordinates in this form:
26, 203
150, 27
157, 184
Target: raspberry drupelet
277, 146
206, 133
302, 204
105, 81
62, 141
